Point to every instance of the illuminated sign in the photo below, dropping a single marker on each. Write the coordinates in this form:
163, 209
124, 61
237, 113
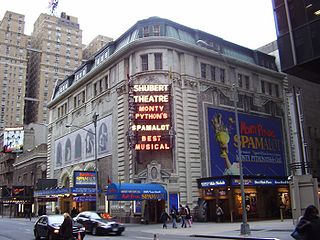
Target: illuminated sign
213, 183
84, 179
151, 121
84, 198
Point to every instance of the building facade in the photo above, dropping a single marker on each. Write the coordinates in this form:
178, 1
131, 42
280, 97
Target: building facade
94, 46
21, 171
13, 69
55, 52
163, 92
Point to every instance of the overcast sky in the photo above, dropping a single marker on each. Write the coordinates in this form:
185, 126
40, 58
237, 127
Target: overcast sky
249, 23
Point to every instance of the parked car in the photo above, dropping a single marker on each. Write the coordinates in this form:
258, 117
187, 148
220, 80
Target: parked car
96, 225
47, 226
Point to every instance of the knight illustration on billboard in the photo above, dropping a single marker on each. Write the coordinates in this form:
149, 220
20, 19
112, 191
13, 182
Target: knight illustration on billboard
222, 136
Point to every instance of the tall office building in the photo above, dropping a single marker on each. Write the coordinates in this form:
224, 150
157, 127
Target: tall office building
298, 36
94, 46
13, 69
54, 54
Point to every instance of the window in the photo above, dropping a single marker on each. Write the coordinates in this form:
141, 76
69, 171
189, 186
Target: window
101, 85
277, 90
203, 68
79, 99
95, 90
158, 61
222, 75
240, 80
213, 73
247, 82
270, 88
146, 31
62, 110
156, 30
263, 87
144, 62
106, 81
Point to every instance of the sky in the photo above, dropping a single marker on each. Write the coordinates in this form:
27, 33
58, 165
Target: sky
249, 23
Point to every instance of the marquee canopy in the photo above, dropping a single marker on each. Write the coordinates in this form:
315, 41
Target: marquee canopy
135, 191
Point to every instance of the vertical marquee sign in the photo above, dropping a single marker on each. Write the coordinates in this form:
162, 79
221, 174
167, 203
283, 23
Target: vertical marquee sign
150, 117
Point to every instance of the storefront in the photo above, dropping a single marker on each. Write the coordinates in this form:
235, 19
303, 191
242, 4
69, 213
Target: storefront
64, 199
147, 200
18, 201
265, 197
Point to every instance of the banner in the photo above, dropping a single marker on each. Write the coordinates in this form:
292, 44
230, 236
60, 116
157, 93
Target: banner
261, 144
84, 178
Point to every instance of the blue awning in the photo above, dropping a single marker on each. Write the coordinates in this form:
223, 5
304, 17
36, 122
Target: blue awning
135, 191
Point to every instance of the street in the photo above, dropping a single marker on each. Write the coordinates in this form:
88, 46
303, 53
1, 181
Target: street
22, 229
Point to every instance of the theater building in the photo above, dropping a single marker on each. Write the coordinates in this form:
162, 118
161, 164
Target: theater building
160, 91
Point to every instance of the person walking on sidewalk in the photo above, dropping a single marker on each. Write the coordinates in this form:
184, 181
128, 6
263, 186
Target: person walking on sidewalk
164, 218
28, 213
183, 214
219, 213
174, 216
188, 216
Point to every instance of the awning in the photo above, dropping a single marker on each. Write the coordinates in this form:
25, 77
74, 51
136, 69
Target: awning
62, 191
135, 191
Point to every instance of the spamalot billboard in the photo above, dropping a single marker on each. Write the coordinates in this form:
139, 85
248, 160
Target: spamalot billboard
261, 144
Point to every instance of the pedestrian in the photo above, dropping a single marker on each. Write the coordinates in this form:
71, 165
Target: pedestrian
309, 224
74, 212
219, 213
146, 214
183, 214
188, 216
66, 228
56, 210
174, 216
28, 213
164, 218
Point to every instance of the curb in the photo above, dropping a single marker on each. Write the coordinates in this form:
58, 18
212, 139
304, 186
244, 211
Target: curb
229, 237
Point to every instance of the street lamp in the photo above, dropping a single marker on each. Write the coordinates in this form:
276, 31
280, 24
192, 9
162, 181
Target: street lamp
94, 120
245, 228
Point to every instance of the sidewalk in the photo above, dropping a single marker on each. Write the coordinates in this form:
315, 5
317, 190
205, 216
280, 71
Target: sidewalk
271, 229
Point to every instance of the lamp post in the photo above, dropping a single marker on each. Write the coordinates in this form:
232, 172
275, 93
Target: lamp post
245, 228
94, 120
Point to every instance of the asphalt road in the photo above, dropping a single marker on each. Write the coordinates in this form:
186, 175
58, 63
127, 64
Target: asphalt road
22, 229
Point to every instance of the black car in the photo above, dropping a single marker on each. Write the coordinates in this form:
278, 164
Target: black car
97, 225
48, 227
